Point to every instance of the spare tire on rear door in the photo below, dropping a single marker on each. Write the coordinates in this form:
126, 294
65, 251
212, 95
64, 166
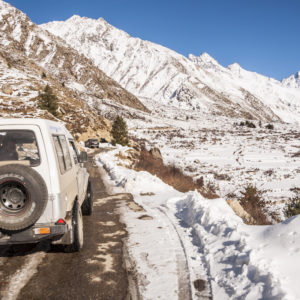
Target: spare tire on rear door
23, 196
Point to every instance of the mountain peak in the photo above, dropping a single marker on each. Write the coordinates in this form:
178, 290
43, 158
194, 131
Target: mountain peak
78, 19
204, 60
75, 18
292, 81
203, 57
234, 66
206, 57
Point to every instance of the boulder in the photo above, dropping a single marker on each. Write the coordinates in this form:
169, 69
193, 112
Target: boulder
155, 152
7, 89
239, 210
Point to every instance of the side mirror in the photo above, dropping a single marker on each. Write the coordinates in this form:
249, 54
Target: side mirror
83, 157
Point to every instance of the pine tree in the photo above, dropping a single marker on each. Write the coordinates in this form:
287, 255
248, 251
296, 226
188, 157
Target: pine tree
48, 101
119, 131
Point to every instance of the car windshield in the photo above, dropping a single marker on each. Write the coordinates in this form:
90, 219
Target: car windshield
19, 145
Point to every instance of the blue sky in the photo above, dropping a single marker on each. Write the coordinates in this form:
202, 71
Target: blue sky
261, 35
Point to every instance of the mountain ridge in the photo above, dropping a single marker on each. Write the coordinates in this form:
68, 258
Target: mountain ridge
292, 81
161, 75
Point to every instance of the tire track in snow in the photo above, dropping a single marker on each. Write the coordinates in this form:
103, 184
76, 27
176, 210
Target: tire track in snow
184, 279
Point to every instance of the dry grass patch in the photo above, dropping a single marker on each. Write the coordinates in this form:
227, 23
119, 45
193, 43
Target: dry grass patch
171, 175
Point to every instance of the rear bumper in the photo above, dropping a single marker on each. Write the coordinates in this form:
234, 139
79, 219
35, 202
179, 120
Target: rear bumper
30, 236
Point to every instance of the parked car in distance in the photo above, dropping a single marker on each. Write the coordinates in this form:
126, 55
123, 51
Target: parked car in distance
44, 187
92, 143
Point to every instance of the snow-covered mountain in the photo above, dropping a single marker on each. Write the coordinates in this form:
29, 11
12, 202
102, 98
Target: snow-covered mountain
159, 75
292, 81
31, 58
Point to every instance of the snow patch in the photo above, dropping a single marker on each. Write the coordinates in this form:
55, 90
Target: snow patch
240, 261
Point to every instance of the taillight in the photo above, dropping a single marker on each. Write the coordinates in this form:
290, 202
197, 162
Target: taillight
60, 222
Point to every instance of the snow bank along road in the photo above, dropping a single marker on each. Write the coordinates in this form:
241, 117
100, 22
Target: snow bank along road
36, 272
185, 245
163, 260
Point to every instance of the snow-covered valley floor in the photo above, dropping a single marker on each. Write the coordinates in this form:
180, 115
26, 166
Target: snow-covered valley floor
228, 156
179, 239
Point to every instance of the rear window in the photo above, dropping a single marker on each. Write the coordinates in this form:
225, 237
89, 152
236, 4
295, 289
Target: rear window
19, 145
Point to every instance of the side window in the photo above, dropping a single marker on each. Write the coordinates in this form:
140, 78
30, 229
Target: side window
63, 154
65, 148
60, 154
74, 152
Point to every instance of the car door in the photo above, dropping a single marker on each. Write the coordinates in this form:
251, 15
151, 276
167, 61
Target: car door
82, 175
68, 183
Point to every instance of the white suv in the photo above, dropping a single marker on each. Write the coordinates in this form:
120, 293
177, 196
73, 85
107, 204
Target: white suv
44, 188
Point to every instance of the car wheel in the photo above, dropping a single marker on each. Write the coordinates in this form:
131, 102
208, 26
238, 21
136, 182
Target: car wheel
87, 205
77, 230
23, 197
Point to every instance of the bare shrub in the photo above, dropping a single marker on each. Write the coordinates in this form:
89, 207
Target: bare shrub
248, 124
209, 190
171, 175
252, 202
200, 181
293, 206
231, 195
269, 172
222, 177
297, 154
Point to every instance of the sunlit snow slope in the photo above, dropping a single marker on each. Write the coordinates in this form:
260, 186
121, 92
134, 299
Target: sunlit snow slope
155, 73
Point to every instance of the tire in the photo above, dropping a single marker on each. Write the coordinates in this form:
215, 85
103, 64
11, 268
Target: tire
87, 205
77, 230
23, 197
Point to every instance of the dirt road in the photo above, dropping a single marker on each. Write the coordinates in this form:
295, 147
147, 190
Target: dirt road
39, 272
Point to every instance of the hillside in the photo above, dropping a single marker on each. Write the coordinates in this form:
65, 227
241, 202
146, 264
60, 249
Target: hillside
31, 58
162, 77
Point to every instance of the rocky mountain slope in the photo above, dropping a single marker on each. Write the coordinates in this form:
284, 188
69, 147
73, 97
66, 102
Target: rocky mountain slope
31, 58
163, 77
